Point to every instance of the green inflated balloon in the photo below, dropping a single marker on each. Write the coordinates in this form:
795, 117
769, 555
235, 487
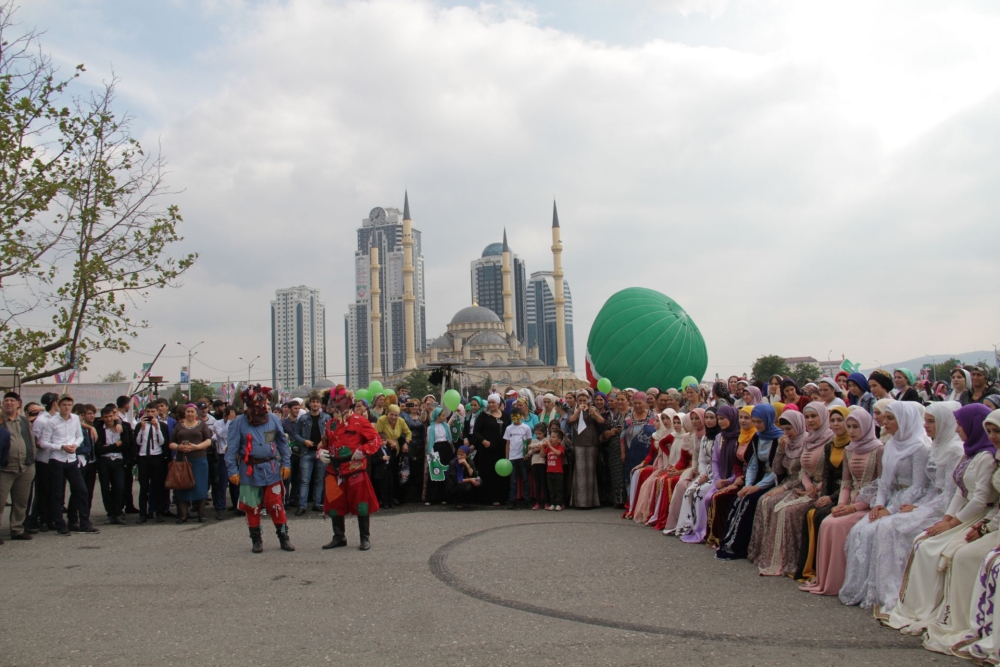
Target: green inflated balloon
643, 338
374, 388
363, 395
688, 381
504, 468
604, 385
451, 399
388, 391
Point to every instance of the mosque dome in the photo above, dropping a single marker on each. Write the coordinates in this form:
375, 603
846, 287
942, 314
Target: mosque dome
476, 315
493, 250
488, 338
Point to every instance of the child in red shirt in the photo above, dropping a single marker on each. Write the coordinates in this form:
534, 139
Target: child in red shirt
554, 450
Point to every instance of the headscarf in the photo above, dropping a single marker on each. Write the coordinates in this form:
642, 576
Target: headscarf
883, 403
460, 469
746, 435
791, 407
883, 378
641, 395
779, 407
992, 398
910, 377
393, 409
794, 418
478, 401
767, 414
789, 382
728, 438
955, 395
700, 433
710, 433
755, 396
837, 391
666, 424
906, 440
860, 380
946, 441
993, 418
868, 441
839, 441
971, 418
823, 434
256, 401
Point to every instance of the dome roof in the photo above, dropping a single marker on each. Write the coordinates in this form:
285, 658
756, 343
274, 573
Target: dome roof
518, 362
480, 363
493, 250
487, 338
443, 343
535, 361
474, 315
323, 384
499, 362
301, 391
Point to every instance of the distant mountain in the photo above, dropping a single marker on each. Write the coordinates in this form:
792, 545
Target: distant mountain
916, 364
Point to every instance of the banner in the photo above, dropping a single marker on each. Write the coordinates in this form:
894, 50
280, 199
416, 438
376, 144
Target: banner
185, 375
97, 393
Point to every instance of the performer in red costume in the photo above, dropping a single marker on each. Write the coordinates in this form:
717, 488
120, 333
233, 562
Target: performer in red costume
348, 488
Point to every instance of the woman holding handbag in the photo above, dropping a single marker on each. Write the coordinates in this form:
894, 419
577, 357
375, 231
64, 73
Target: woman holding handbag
191, 439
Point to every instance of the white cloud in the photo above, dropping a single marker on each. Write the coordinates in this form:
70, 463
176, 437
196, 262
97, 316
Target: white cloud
793, 198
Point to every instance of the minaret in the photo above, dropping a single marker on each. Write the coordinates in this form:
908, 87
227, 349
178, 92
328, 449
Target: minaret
508, 291
376, 314
558, 299
408, 298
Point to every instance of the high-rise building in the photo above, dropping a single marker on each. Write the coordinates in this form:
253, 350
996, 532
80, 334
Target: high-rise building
384, 230
541, 318
298, 337
487, 285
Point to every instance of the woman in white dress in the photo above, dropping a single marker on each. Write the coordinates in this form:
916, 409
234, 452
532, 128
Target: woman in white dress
921, 595
876, 557
701, 484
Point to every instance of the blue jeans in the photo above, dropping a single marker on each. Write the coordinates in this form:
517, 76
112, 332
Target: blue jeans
521, 471
312, 475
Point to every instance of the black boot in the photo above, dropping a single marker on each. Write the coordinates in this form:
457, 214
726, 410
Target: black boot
282, 532
339, 534
258, 542
364, 523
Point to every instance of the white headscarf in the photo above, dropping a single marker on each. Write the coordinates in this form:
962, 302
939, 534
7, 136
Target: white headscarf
946, 443
906, 440
666, 426
495, 397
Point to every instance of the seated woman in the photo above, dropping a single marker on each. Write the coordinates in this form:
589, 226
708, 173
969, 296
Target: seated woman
857, 490
669, 484
677, 460
698, 473
922, 592
777, 552
912, 493
649, 468
833, 474
726, 468
705, 481
787, 466
760, 478
461, 479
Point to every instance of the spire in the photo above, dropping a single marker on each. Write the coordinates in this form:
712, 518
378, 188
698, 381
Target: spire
406, 205
555, 214
506, 248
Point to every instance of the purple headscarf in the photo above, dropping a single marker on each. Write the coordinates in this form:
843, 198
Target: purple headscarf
728, 438
755, 396
970, 418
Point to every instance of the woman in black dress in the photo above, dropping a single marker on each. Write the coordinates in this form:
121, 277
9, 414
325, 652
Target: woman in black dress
487, 438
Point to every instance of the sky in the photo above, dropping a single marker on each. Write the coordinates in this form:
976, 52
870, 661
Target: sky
803, 178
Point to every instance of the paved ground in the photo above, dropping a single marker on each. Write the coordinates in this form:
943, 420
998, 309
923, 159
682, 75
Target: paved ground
440, 587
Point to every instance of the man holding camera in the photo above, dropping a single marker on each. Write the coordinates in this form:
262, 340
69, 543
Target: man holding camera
151, 437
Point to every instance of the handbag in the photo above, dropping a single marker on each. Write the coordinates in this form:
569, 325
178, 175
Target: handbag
180, 476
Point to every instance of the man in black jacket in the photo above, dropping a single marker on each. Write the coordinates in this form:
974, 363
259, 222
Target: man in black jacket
152, 444
115, 445
17, 464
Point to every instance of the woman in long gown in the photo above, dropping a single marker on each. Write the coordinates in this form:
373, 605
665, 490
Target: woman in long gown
669, 482
636, 437
926, 575
718, 509
786, 465
586, 423
861, 471
705, 480
614, 424
782, 538
697, 474
725, 470
655, 465
760, 479
487, 438
833, 474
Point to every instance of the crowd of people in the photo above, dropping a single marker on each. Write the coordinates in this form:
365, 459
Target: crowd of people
881, 490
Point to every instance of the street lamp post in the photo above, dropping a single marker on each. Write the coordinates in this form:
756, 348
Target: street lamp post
249, 365
191, 353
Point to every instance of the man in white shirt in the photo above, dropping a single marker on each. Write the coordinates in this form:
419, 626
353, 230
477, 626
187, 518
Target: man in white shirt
151, 461
60, 436
38, 518
220, 433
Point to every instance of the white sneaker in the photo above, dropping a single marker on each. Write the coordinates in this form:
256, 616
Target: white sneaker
559, 508
550, 507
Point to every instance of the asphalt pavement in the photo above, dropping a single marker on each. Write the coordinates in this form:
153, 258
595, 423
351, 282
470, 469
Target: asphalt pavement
439, 587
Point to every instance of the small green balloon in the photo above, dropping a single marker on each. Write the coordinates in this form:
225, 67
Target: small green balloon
604, 385
688, 381
504, 468
363, 395
375, 387
451, 399
389, 391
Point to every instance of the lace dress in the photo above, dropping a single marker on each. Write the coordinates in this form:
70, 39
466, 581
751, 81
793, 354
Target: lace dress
877, 551
681, 519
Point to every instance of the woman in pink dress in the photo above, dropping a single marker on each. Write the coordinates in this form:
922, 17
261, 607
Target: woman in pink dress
656, 465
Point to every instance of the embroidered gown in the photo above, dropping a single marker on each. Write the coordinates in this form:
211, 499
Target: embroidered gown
681, 517
739, 523
702, 511
657, 463
667, 485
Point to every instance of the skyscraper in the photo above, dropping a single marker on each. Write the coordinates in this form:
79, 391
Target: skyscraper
542, 318
298, 337
384, 229
487, 285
